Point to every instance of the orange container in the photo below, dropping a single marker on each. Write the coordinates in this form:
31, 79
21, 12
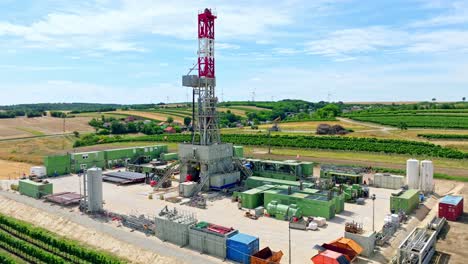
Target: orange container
329, 257
266, 256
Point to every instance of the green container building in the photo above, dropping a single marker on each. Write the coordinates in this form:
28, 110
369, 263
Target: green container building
75, 162
119, 156
291, 170
342, 177
253, 198
152, 152
169, 156
406, 201
57, 165
238, 151
86, 160
339, 202
35, 189
307, 168
254, 182
275, 175
125, 155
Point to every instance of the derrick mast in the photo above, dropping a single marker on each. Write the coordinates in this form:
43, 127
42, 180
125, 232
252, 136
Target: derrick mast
205, 124
206, 160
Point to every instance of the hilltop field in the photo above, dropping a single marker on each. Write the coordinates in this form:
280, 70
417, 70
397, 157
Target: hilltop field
25, 141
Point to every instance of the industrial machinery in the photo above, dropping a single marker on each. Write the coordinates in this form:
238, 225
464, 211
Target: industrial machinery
206, 160
282, 211
419, 245
275, 127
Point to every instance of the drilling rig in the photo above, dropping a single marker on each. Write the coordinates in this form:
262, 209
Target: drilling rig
206, 160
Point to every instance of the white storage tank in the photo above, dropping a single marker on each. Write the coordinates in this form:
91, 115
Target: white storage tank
94, 189
427, 176
39, 171
412, 173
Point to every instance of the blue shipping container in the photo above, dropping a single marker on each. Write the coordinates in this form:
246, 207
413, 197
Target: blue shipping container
241, 246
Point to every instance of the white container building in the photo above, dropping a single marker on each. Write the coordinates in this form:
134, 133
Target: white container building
39, 171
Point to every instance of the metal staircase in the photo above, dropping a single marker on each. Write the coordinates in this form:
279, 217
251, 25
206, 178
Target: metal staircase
203, 181
169, 171
238, 164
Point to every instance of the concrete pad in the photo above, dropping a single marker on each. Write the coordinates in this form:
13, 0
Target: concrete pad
272, 232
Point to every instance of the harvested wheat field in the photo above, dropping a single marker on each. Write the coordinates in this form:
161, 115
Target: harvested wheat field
10, 170
33, 150
26, 127
153, 115
234, 111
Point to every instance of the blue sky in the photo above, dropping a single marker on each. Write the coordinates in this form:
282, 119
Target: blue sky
136, 51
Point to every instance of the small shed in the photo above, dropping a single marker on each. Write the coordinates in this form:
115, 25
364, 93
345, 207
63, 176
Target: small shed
451, 207
329, 257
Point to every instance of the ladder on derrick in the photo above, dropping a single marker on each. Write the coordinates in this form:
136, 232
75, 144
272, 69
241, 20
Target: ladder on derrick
167, 174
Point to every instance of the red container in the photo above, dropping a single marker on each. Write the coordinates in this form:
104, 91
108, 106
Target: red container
451, 207
329, 257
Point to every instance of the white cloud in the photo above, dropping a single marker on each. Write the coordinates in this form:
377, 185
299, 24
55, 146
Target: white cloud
457, 14
112, 28
263, 42
120, 46
356, 40
60, 91
395, 82
224, 46
285, 51
440, 41
343, 45
35, 68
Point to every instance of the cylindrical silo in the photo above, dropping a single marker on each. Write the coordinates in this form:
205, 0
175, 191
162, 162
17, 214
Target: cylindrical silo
412, 173
94, 189
427, 176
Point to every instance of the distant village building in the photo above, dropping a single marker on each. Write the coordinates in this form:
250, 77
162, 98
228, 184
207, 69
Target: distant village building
170, 130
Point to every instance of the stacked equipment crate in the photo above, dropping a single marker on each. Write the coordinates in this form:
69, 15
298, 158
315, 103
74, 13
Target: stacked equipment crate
210, 239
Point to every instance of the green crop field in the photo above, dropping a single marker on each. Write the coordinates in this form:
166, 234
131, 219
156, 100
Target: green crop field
310, 142
420, 120
37, 245
444, 136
